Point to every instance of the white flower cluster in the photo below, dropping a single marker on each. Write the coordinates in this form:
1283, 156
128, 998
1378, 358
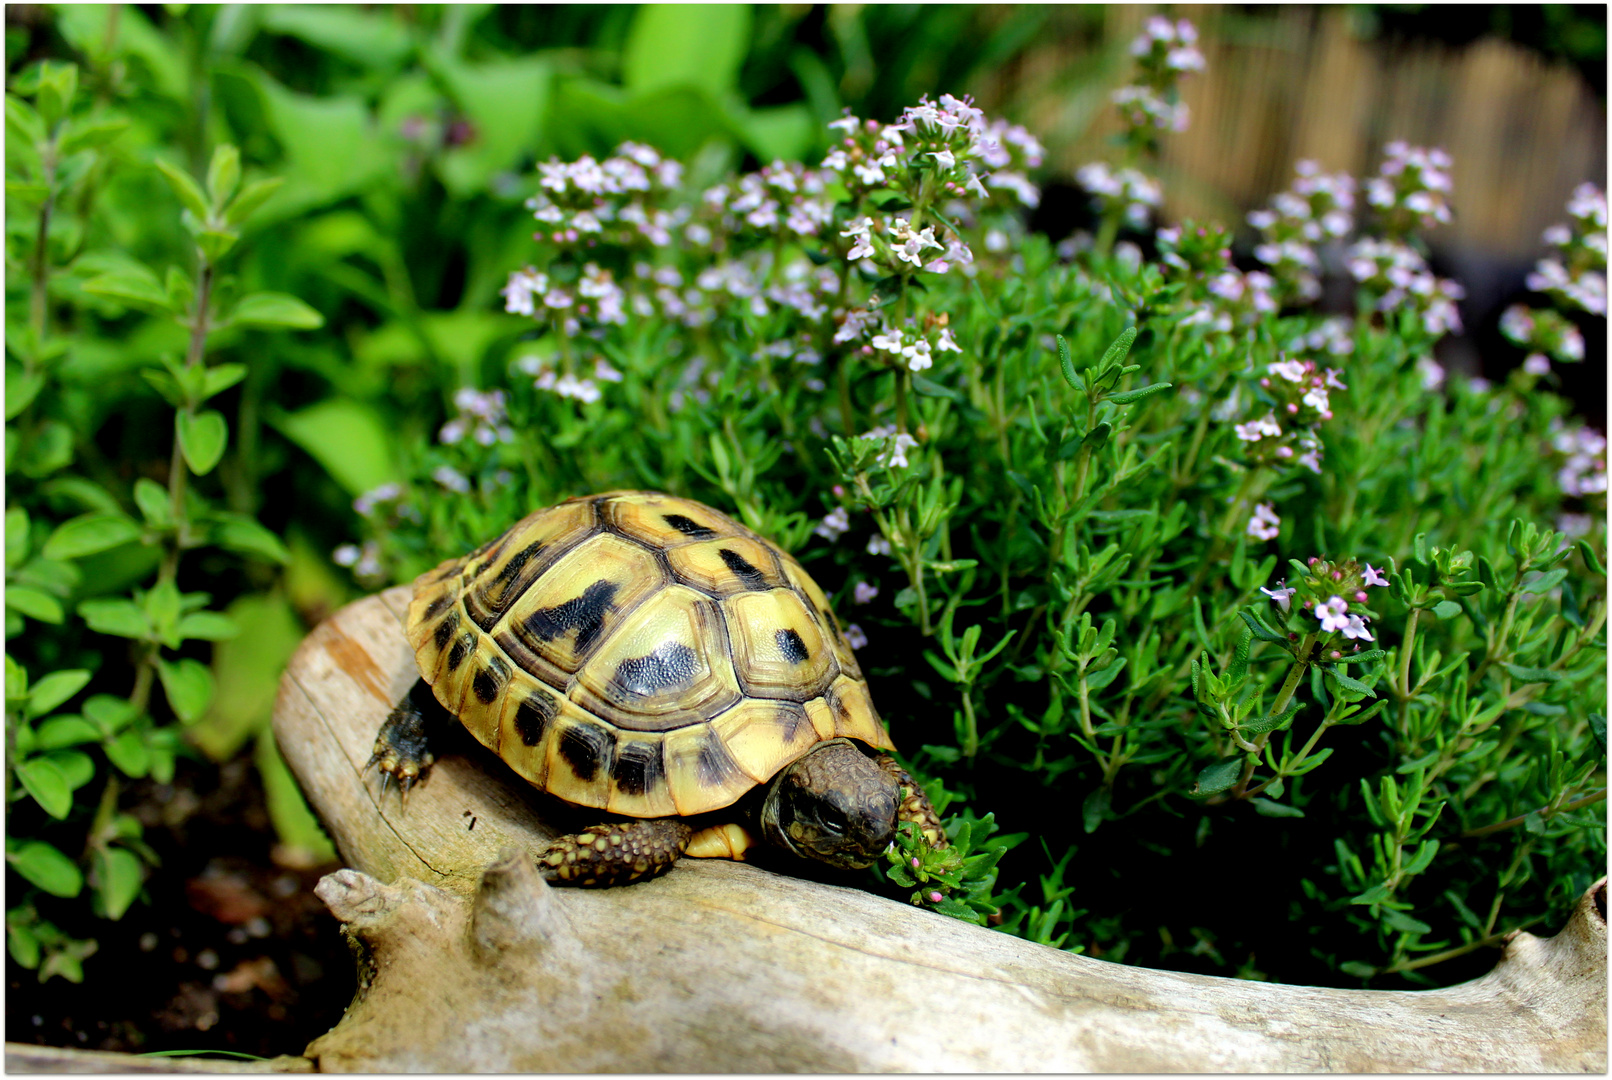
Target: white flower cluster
1544, 334
481, 415
1235, 299
1145, 107
1164, 52
948, 142
1318, 208
911, 348
595, 296
895, 455
1332, 336
1300, 396
1264, 524
890, 242
782, 197
1137, 193
566, 384
613, 199
365, 561
1411, 189
1575, 275
1400, 277
1584, 470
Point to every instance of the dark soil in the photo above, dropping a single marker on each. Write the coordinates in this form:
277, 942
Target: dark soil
231, 952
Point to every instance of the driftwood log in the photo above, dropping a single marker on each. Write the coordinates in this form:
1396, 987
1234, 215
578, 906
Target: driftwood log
468, 961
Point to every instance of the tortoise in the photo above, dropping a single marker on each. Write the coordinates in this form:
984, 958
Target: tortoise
649, 657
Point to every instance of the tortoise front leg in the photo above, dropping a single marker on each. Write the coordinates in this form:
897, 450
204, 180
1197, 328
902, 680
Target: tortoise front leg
616, 853
914, 805
404, 744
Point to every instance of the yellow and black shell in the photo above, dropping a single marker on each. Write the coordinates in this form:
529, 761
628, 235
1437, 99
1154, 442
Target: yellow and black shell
639, 653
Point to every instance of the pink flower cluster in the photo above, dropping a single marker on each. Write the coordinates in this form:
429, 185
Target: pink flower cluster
1128, 191
1335, 595
616, 200
1318, 208
1400, 278
1574, 275
1411, 189
1164, 51
1297, 395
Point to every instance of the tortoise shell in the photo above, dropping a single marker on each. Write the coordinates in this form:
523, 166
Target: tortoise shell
639, 653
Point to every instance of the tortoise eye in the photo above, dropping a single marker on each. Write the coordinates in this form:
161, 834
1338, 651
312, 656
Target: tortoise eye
832, 819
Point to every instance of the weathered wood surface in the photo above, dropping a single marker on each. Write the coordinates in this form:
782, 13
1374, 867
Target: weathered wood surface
469, 962
25, 1058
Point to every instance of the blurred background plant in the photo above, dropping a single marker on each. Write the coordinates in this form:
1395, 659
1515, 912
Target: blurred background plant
1047, 447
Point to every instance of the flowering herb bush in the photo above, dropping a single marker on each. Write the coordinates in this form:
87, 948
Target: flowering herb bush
1184, 579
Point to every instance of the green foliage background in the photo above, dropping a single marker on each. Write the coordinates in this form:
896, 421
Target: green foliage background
1059, 655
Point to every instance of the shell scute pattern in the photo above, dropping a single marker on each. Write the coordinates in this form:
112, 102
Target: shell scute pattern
639, 653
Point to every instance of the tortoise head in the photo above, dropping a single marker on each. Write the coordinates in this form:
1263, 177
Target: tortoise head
834, 805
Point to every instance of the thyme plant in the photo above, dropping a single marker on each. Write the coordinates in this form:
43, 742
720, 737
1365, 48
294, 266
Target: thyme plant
1146, 560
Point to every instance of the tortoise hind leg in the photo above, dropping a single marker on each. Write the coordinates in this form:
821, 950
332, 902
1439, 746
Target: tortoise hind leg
914, 805
617, 853
404, 744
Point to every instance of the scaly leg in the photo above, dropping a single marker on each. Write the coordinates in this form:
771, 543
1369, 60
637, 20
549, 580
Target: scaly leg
617, 853
403, 746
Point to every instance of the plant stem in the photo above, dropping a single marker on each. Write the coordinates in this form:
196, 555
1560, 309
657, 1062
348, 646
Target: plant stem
1403, 690
1512, 823
1301, 663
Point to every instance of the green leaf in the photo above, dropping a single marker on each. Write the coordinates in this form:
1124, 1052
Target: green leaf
1096, 807
23, 945
1218, 777
55, 689
202, 437
1532, 675
43, 779
89, 134
1267, 808
1354, 686
128, 752
1400, 921
700, 45
237, 532
1374, 895
90, 533
1119, 350
120, 617
1066, 362
221, 378
35, 604
1547, 581
1358, 969
155, 504
369, 39
270, 309
119, 876
110, 714
1591, 560
1128, 397
21, 389
208, 626
1257, 625
252, 196
16, 680
46, 868
1446, 609
59, 732
189, 192
348, 438
189, 686
223, 173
